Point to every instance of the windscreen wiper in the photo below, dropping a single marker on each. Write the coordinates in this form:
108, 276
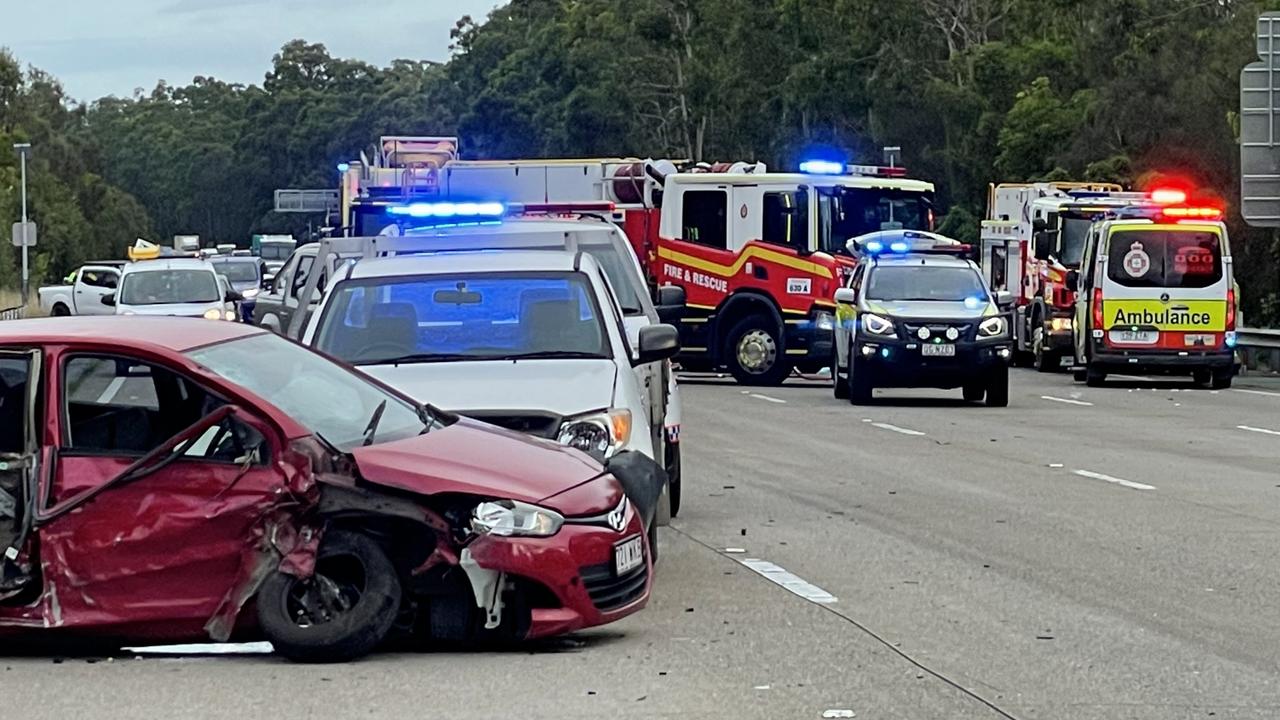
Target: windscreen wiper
372, 427
419, 358
551, 355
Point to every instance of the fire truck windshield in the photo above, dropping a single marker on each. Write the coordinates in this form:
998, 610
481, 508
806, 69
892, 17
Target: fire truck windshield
846, 212
1071, 245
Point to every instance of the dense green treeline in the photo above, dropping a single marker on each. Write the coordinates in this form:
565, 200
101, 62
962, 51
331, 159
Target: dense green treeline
974, 91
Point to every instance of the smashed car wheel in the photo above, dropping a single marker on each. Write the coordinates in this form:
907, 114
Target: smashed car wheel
342, 612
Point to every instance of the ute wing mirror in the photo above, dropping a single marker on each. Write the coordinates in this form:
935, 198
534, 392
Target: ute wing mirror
671, 304
657, 342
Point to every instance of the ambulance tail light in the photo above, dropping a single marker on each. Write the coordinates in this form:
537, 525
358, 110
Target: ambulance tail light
1098, 320
1231, 310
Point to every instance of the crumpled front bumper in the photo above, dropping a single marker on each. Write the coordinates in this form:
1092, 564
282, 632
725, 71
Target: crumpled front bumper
577, 566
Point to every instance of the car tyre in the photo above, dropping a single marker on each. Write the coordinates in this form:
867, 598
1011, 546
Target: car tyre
1221, 379
859, 380
1094, 378
352, 572
1043, 360
652, 534
672, 453
974, 392
998, 388
60, 310
839, 382
755, 352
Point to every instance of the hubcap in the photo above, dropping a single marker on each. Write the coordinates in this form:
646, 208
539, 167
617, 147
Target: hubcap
333, 590
1037, 343
757, 352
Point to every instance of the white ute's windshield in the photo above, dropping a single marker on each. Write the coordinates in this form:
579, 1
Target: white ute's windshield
161, 287
491, 316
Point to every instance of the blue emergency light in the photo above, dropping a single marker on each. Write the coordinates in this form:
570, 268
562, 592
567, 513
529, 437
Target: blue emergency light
451, 210
901, 242
822, 167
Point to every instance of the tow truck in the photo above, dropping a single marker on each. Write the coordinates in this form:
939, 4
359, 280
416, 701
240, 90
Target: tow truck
759, 254
1034, 235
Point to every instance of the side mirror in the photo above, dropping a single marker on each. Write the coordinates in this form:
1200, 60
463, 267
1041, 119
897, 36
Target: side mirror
109, 299
846, 296
1039, 225
233, 296
1042, 243
1004, 299
111, 281
1073, 280
657, 342
268, 281
671, 304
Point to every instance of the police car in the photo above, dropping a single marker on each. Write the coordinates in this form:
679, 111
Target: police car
917, 313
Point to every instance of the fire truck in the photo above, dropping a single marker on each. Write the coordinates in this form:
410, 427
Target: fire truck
759, 254
1033, 236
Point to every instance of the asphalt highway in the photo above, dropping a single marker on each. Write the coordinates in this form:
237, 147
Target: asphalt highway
1082, 554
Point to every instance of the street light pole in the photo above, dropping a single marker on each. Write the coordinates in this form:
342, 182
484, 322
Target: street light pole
23, 150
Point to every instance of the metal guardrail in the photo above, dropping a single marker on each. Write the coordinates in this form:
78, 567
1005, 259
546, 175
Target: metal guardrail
14, 313
1259, 348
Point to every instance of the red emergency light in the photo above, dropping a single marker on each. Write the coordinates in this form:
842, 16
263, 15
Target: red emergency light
1192, 213
1168, 196
878, 171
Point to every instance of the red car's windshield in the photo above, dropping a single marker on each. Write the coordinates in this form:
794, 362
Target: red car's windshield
346, 409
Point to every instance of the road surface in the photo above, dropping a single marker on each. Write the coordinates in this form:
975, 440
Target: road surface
1083, 554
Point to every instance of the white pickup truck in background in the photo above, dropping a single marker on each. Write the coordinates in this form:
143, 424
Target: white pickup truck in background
84, 295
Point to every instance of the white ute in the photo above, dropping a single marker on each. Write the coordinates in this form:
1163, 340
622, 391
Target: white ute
533, 341
83, 296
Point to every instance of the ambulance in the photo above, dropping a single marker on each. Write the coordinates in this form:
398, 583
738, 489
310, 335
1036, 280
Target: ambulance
1155, 294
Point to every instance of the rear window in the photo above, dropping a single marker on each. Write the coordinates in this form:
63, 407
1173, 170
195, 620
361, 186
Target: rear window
1165, 259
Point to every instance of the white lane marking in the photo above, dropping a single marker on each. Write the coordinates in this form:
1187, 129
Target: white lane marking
1068, 401
895, 428
790, 582
1118, 481
253, 648
768, 399
109, 394
1256, 392
1264, 431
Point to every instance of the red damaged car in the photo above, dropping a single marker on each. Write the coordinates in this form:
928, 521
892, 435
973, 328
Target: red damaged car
170, 480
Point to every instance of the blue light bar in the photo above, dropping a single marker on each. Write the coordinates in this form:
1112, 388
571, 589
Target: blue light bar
451, 210
822, 167
873, 246
899, 246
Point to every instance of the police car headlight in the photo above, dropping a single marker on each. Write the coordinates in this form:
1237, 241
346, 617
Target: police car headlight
511, 518
876, 325
599, 435
991, 327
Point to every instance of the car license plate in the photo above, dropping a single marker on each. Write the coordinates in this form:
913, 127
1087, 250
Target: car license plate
938, 350
1135, 337
628, 555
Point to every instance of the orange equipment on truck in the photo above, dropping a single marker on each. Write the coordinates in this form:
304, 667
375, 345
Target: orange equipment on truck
758, 253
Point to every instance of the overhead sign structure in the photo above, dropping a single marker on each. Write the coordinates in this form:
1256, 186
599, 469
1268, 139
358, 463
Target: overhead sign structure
24, 239
307, 201
1260, 128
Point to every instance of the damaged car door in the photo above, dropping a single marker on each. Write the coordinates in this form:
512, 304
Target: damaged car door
19, 456
161, 498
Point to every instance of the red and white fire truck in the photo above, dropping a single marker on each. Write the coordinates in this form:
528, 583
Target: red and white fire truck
758, 253
1033, 235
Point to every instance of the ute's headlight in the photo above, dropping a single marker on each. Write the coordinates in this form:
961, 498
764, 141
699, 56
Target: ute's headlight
600, 435
511, 518
991, 327
876, 325
213, 314
250, 294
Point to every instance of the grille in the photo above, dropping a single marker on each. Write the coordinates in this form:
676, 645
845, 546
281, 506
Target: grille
544, 426
609, 591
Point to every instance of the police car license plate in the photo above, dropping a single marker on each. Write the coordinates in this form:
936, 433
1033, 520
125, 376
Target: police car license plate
628, 555
1135, 337
938, 350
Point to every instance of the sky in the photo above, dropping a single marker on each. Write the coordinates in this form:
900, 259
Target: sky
112, 47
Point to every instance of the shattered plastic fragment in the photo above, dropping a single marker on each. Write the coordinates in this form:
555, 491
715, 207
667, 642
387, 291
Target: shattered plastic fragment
735, 551
838, 713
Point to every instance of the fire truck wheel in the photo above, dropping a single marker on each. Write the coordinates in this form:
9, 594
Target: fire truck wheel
755, 353
1043, 360
839, 383
998, 388
1221, 379
860, 384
